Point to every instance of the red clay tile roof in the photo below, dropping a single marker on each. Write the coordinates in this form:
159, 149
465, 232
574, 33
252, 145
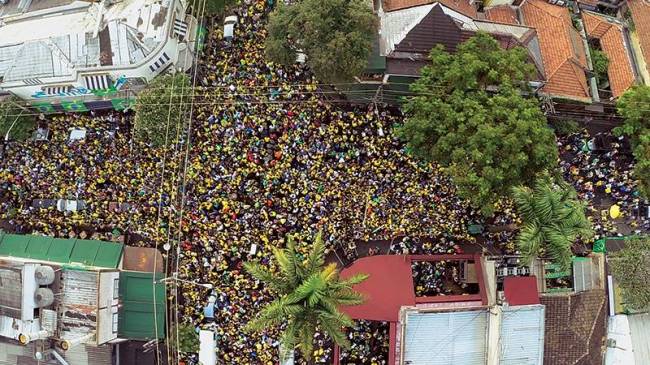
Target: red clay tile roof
575, 328
612, 42
641, 17
462, 6
562, 49
502, 14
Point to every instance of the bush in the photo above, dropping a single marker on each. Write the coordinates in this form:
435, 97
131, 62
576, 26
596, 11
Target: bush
600, 62
25, 124
565, 127
160, 109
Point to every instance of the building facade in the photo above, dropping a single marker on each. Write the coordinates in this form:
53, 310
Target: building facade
74, 53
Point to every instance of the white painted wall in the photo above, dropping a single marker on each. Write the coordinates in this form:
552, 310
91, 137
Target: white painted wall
7, 327
29, 288
108, 303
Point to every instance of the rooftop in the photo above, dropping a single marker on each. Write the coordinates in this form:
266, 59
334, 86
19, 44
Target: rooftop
502, 14
562, 49
37, 45
410, 34
613, 43
61, 251
462, 6
466, 336
575, 327
521, 290
640, 11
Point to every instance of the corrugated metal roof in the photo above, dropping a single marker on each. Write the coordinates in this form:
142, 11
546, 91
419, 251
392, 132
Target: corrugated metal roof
640, 330
583, 274
136, 316
63, 251
521, 335
446, 338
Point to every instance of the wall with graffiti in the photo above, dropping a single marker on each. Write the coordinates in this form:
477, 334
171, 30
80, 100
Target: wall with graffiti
81, 91
113, 99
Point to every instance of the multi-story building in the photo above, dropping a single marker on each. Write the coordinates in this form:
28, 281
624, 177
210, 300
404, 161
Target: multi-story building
76, 302
77, 54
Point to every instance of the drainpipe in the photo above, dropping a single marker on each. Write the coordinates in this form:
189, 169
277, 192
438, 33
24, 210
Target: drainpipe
40, 356
592, 79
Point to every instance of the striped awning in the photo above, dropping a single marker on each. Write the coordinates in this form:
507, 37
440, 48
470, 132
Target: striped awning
97, 82
180, 28
56, 90
160, 62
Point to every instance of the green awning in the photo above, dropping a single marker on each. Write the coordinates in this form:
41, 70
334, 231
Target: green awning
85, 251
108, 254
142, 315
62, 251
38, 246
13, 245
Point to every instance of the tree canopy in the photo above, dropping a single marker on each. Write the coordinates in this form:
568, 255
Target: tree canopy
308, 295
335, 35
161, 107
187, 337
631, 269
469, 114
553, 219
10, 112
215, 7
642, 164
632, 106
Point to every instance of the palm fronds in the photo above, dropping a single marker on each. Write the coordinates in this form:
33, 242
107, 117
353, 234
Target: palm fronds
553, 220
310, 295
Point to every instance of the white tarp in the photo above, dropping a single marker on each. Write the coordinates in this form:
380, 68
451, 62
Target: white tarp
207, 348
77, 134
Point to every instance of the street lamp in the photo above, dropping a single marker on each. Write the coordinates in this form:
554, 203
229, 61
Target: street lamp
176, 278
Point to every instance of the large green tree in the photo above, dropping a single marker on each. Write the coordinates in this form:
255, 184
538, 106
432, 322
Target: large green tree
161, 107
335, 35
22, 119
642, 165
470, 114
308, 296
633, 107
631, 269
213, 7
553, 219
187, 337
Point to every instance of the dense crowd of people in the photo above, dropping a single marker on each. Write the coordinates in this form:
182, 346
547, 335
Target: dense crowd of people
600, 167
268, 156
369, 344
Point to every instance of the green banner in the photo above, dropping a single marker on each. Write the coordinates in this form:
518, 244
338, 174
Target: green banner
45, 107
200, 38
123, 103
74, 106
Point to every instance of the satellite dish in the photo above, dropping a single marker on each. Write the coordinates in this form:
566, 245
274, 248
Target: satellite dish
167, 246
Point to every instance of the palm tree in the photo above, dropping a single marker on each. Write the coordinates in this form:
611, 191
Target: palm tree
309, 294
553, 219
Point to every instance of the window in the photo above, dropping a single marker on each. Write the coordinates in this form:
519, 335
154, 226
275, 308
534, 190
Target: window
116, 288
115, 321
